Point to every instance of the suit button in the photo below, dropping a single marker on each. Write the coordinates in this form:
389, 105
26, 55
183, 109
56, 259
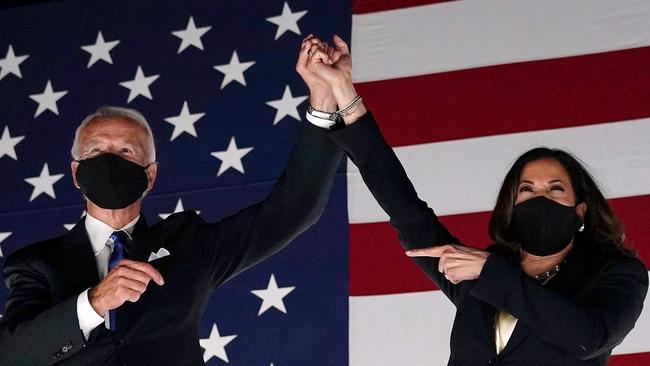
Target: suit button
122, 344
494, 361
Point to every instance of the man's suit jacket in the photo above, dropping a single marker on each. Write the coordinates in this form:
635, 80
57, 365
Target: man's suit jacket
41, 327
584, 312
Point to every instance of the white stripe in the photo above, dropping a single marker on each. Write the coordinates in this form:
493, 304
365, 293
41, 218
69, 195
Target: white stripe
464, 176
404, 329
413, 329
466, 34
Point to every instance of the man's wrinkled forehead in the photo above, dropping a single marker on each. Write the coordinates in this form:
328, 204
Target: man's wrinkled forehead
114, 128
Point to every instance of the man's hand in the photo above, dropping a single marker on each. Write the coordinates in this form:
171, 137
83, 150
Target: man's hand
457, 263
126, 282
334, 66
320, 94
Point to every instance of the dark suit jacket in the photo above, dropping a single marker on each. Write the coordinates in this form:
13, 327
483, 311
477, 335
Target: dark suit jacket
41, 327
576, 319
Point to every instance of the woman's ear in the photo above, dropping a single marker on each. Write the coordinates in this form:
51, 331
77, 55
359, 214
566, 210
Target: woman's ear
581, 210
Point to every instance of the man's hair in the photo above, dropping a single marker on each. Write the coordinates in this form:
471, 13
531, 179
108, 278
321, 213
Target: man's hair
112, 111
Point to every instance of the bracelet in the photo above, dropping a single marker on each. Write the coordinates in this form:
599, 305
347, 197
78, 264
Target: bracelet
350, 108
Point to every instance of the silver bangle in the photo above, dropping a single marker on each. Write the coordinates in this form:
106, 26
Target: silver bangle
350, 108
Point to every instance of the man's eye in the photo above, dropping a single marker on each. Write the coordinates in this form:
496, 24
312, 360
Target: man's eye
126, 150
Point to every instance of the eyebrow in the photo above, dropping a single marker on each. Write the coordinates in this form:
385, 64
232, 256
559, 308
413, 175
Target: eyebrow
550, 182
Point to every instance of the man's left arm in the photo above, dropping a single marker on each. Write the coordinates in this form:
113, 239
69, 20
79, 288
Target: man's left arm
294, 204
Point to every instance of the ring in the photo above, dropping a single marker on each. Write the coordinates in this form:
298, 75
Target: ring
310, 53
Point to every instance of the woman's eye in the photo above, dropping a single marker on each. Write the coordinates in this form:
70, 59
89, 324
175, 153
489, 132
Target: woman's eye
525, 189
557, 188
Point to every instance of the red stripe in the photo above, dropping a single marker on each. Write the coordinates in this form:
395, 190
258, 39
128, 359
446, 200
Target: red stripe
511, 98
632, 359
378, 264
370, 6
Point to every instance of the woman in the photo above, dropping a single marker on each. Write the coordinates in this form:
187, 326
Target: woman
558, 287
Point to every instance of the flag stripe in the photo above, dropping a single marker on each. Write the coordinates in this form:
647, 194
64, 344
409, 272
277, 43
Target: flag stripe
374, 247
369, 6
512, 98
633, 359
413, 329
467, 34
616, 153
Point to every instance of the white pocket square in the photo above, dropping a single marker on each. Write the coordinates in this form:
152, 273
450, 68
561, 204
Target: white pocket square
162, 252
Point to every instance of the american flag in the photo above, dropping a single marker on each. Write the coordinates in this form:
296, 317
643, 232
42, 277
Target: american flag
217, 83
459, 89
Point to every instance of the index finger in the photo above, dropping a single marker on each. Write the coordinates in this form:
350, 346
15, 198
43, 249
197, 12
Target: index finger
303, 56
146, 268
436, 251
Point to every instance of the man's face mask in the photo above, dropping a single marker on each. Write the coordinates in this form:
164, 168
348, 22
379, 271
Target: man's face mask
543, 226
111, 182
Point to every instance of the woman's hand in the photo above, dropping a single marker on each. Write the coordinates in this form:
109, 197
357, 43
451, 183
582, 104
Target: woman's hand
457, 263
334, 66
320, 93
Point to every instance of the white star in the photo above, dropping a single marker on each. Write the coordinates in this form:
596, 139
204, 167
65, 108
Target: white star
287, 20
70, 226
234, 70
215, 345
179, 208
47, 100
3, 236
184, 122
44, 183
191, 36
11, 64
272, 296
139, 85
8, 144
287, 106
100, 50
231, 157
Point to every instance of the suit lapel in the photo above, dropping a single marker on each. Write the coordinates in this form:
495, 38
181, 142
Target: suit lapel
138, 247
82, 268
518, 335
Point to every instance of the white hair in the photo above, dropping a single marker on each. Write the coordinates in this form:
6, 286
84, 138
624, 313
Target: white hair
112, 111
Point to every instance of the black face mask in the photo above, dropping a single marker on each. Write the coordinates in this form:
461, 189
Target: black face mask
110, 181
543, 226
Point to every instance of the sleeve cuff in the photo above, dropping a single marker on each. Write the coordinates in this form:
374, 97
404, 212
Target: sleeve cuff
88, 318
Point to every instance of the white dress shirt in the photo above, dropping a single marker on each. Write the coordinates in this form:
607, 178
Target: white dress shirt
99, 234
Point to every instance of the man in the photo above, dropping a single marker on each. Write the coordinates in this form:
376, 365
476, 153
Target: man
91, 297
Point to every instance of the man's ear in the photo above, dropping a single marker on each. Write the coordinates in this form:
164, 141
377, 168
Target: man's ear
151, 172
73, 168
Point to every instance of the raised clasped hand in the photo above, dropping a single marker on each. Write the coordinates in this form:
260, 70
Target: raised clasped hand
458, 263
321, 66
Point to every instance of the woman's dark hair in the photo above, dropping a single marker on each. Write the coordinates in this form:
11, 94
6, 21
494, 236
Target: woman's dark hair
602, 227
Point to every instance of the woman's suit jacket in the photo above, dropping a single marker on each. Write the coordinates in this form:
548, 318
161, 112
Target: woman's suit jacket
576, 319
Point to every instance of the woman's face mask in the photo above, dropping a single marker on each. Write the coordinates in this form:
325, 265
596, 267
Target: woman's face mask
543, 226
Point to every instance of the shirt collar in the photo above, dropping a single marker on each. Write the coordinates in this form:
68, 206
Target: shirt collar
99, 232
